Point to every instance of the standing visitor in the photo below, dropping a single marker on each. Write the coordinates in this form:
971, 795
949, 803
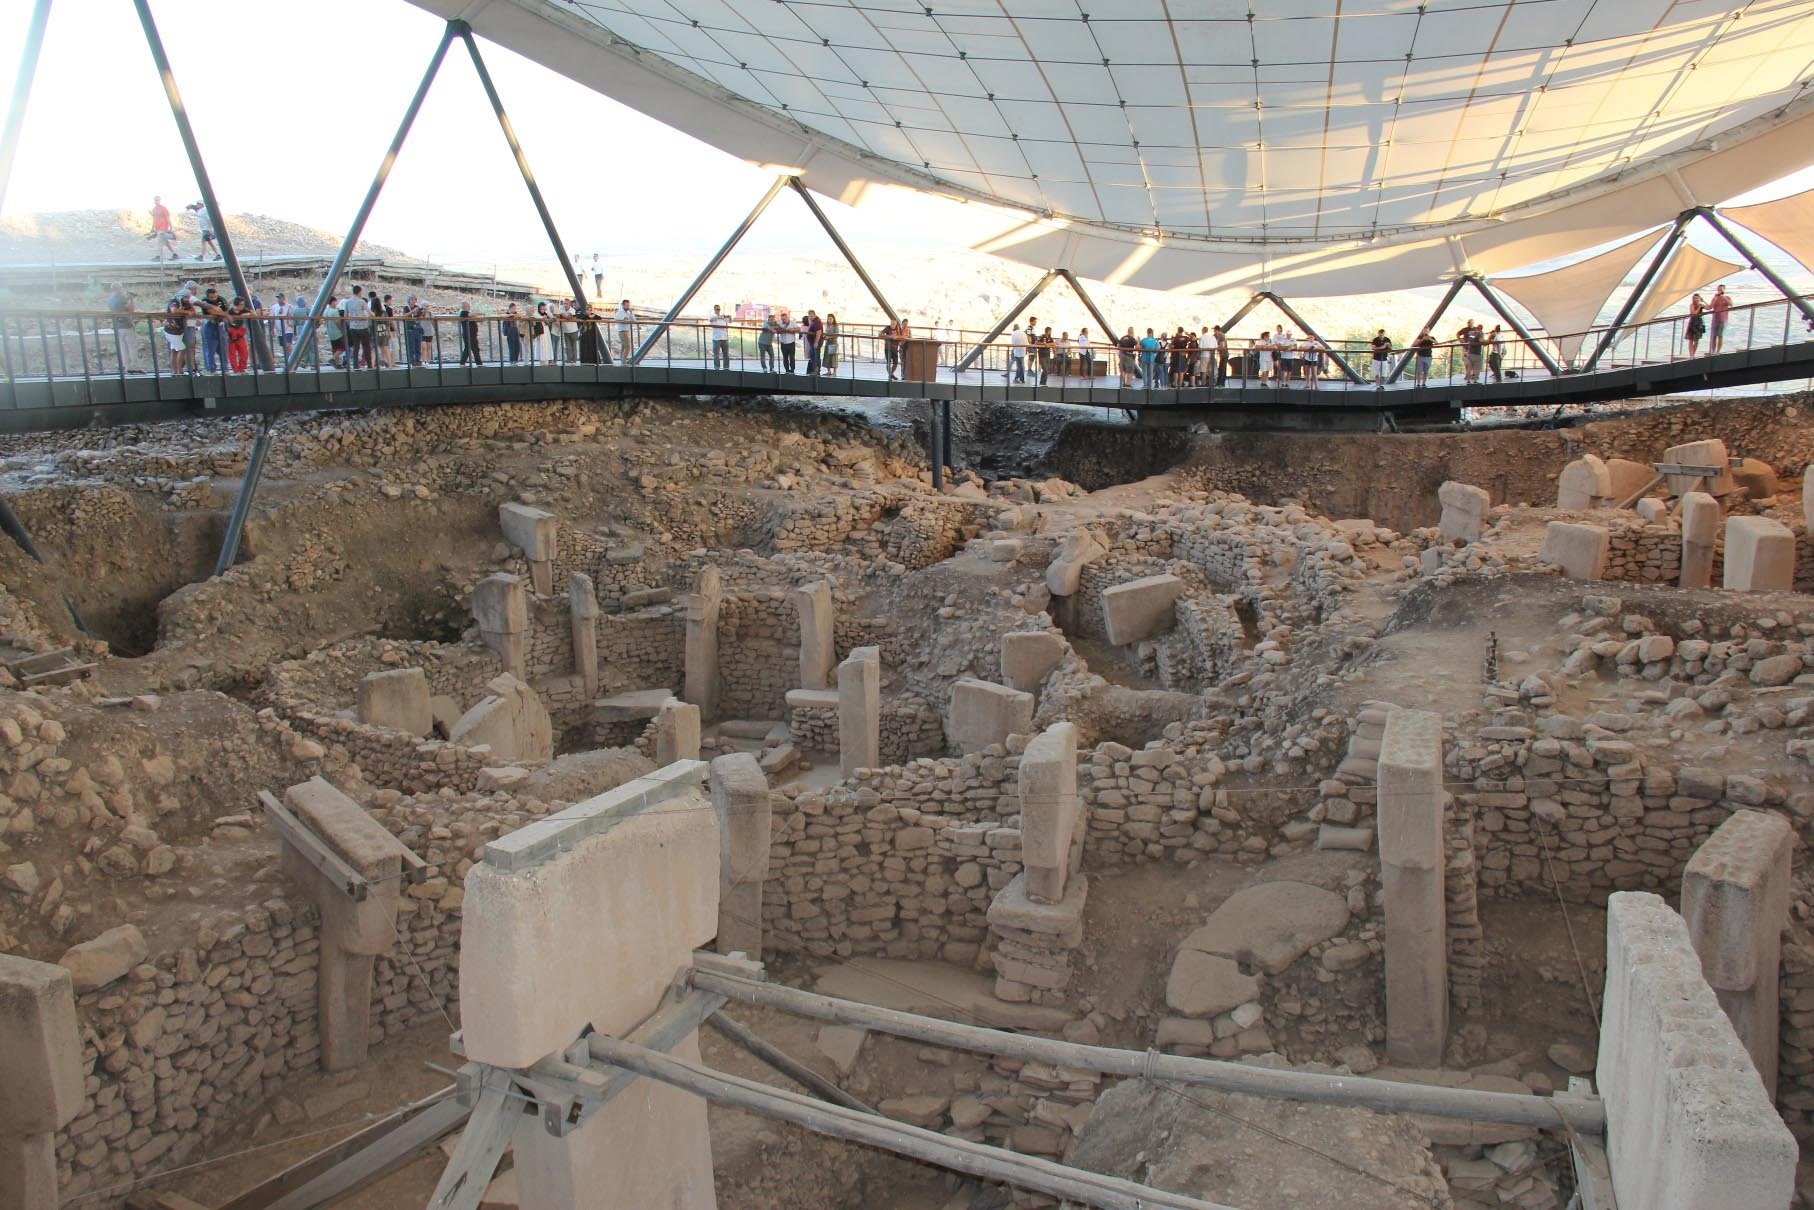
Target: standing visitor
283, 333
1086, 363
161, 231
1423, 352
814, 329
428, 329
1221, 354
1049, 357
721, 338
206, 220
469, 335
891, 347
1017, 355
625, 319
1381, 345
598, 276
358, 314
1149, 360
214, 352
788, 334
513, 334
336, 325
828, 357
765, 344
384, 318
412, 332
538, 331
1697, 324
121, 303
1495, 354
1128, 355
570, 331
176, 331
239, 347
1312, 350
1720, 306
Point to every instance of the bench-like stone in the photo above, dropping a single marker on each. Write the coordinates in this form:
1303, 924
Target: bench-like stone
1579, 550
636, 705
1028, 655
984, 713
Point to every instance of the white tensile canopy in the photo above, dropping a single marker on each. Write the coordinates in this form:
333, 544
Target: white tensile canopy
1566, 300
1292, 145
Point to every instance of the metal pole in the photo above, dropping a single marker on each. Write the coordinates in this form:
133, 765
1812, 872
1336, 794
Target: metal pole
242, 506
783, 1062
319, 306
1631, 303
711, 267
812, 204
1348, 370
1504, 312
935, 447
1089, 304
945, 1151
15, 529
15, 114
1026, 300
522, 163
1228, 325
1441, 307
944, 426
1770, 275
193, 150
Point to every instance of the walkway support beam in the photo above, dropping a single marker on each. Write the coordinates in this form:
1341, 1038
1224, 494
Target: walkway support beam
1441, 309
1348, 370
305, 336
197, 165
522, 162
1770, 275
1019, 308
22, 82
242, 504
1512, 321
711, 267
1664, 250
850, 258
1089, 304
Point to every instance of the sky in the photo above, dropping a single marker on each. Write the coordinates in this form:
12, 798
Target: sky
294, 104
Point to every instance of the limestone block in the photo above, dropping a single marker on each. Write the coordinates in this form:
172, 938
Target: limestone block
1689, 1124
1028, 655
582, 603
40, 1047
1583, 484
1760, 555
100, 961
1711, 453
1652, 511
1626, 477
363, 926
1141, 608
1756, 477
1079, 549
813, 602
1271, 925
591, 934
500, 605
740, 799
701, 655
1579, 550
1013, 908
860, 711
511, 721
1701, 516
1202, 985
28, 1171
676, 732
534, 531
1807, 498
1464, 510
397, 698
984, 713
1411, 796
1049, 810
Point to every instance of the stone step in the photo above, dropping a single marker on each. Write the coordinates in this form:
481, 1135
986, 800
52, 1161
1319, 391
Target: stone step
630, 706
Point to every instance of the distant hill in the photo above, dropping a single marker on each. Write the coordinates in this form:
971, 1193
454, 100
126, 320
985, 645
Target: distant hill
91, 235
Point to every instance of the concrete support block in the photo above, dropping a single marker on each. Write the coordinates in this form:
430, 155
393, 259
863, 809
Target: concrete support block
1579, 550
1410, 810
397, 698
590, 934
701, 657
353, 931
511, 721
582, 601
1051, 847
1079, 549
740, 799
1760, 555
1583, 484
1689, 1125
1464, 510
984, 713
500, 606
1701, 515
1140, 609
860, 711
1028, 655
40, 1049
1709, 453
813, 603
676, 732
536, 533
1735, 900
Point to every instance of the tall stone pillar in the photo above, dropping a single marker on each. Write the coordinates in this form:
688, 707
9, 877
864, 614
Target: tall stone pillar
676, 732
741, 802
1735, 898
41, 1072
860, 711
353, 931
1049, 811
582, 601
1700, 537
813, 602
535, 532
703, 604
1412, 860
500, 605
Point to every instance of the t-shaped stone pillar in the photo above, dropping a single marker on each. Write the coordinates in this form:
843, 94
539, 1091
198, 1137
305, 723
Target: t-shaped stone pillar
1700, 538
397, 698
741, 802
582, 602
1049, 810
676, 732
702, 642
1735, 898
1412, 862
501, 607
813, 602
41, 1075
860, 711
535, 532
354, 931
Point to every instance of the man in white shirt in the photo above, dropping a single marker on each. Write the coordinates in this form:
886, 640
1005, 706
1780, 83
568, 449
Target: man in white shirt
626, 329
279, 312
569, 332
1084, 368
1017, 355
788, 333
598, 276
721, 339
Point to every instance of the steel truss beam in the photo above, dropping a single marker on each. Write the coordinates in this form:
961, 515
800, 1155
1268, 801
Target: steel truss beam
1770, 275
850, 257
28, 70
1019, 308
1664, 250
1348, 370
1430, 324
1512, 321
223, 238
248, 488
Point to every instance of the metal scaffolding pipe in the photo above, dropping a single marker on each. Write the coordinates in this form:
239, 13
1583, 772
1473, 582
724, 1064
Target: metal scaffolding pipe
242, 504
946, 1151
1348, 370
1441, 307
1089, 304
22, 82
1514, 1109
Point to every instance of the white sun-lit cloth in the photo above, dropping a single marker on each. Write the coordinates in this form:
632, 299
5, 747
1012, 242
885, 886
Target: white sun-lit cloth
1566, 300
1294, 145
1787, 222
1689, 269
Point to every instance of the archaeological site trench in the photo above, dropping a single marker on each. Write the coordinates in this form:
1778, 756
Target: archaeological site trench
1269, 820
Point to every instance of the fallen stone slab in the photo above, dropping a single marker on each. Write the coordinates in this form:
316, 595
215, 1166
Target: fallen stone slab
1271, 925
108, 957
